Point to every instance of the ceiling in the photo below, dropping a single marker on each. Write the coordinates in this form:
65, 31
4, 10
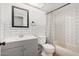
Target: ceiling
46, 6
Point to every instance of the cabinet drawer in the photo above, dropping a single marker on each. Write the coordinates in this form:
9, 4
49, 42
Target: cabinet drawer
12, 52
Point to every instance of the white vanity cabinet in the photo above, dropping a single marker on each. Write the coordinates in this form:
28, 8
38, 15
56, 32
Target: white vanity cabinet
20, 48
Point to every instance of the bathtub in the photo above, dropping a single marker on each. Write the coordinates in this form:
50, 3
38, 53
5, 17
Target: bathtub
60, 51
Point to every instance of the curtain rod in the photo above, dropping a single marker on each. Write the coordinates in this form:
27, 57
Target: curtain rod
59, 8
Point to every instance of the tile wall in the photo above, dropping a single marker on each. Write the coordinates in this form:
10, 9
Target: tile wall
34, 15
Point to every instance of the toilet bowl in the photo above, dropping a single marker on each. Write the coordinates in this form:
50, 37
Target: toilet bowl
47, 49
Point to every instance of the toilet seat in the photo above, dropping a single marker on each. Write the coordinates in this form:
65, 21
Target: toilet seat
48, 50
48, 46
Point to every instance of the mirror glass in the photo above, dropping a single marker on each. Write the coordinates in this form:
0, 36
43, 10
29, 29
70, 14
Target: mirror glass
20, 17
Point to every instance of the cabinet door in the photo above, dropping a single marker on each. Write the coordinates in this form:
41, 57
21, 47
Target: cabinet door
31, 48
18, 51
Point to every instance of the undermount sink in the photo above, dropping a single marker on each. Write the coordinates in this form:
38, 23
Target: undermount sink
14, 39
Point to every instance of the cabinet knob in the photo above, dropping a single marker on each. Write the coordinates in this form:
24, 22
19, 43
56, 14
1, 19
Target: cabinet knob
3, 43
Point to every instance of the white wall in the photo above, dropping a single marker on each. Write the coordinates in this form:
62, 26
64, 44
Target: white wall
34, 15
0, 31
67, 27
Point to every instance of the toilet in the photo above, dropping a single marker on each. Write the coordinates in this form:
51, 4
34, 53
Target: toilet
47, 49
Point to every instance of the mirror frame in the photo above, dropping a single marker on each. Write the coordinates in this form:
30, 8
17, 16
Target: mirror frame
13, 17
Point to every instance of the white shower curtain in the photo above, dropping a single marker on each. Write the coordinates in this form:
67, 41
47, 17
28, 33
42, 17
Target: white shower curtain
50, 29
63, 27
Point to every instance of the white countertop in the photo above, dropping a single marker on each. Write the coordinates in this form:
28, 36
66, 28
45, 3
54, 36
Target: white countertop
14, 39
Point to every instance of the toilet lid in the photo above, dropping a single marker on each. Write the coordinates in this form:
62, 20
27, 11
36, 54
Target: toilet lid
49, 46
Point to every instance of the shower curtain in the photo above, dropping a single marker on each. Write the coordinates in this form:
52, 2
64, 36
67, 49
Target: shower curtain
55, 29
63, 27
50, 30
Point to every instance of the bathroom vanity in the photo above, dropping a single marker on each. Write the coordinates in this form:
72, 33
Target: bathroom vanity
26, 46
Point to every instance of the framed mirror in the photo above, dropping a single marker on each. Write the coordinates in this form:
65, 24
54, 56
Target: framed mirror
20, 17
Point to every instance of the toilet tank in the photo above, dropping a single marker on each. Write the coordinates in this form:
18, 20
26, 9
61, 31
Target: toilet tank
41, 40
